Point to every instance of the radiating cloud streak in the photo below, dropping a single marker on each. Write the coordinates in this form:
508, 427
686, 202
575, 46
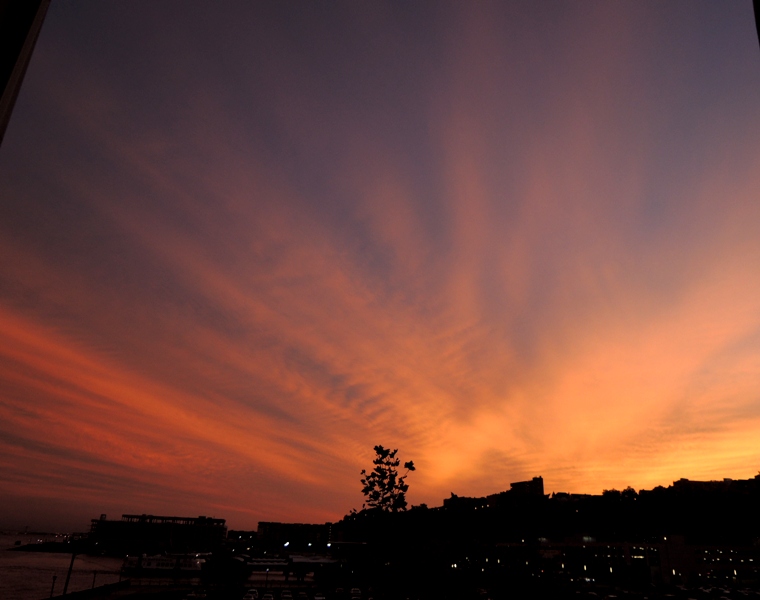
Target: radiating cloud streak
521, 241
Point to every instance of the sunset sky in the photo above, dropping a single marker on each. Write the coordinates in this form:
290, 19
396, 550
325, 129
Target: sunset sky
241, 243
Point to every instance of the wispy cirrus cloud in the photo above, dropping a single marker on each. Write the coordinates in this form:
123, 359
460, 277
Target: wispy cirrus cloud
506, 254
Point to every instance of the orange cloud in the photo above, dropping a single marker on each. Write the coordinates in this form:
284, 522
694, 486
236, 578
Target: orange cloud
227, 310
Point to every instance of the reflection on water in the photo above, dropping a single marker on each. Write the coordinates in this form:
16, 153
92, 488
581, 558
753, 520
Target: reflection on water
29, 575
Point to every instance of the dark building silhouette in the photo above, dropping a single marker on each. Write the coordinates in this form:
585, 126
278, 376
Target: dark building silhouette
464, 502
297, 536
726, 485
692, 533
519, 543
534, 487
241, 535
152, 534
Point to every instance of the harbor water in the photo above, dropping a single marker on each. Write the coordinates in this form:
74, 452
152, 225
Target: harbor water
29, 575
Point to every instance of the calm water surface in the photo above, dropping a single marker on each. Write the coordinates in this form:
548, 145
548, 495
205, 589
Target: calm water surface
29, 575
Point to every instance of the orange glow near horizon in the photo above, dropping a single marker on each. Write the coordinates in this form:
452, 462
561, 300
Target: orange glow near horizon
560, 280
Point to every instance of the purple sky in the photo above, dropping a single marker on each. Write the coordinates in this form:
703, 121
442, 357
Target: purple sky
241, 244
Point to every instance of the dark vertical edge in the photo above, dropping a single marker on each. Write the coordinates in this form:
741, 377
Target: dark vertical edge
20, 25
756, 4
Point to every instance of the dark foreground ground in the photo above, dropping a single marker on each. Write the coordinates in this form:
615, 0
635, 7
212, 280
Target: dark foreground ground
513, 591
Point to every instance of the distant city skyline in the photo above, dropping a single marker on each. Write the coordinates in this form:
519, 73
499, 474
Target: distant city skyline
242, 245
